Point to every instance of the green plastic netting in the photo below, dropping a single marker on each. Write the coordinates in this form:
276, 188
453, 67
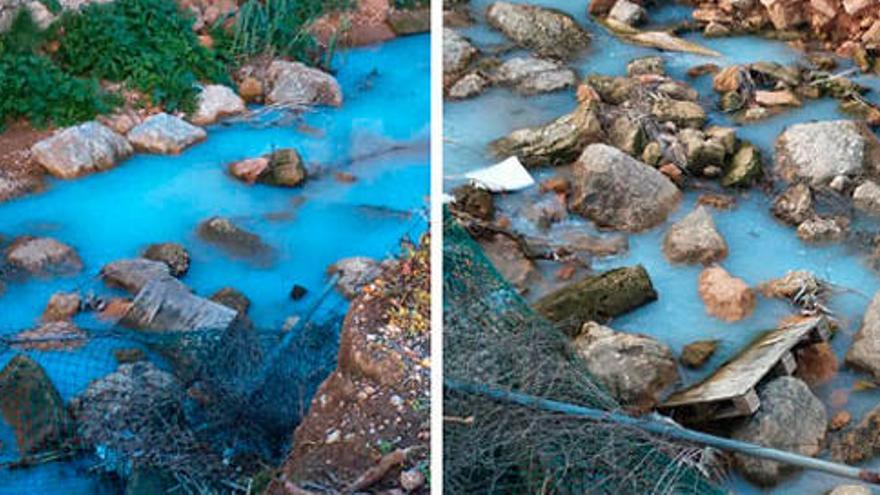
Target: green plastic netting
492, 337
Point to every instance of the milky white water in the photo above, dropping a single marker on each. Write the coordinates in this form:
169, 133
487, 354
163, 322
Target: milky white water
761, 248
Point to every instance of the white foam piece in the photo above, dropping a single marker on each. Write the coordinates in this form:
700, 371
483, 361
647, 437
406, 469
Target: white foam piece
509, 175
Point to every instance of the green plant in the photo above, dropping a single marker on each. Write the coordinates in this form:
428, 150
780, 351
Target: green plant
23, 35
147, 44
278, 28
36, 89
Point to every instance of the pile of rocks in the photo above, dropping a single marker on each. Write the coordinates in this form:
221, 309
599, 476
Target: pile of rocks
849, 27
762, 89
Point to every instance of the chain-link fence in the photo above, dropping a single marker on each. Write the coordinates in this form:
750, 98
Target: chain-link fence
492, 337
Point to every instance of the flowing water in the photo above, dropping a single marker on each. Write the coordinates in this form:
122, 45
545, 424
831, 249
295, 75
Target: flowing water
380, 135
761, 248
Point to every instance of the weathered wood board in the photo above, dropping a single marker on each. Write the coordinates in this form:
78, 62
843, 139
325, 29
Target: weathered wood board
730, 391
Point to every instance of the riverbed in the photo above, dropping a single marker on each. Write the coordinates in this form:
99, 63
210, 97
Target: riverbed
760, 247
380, 135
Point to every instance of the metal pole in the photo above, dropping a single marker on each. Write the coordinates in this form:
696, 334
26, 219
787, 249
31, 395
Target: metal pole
666, 428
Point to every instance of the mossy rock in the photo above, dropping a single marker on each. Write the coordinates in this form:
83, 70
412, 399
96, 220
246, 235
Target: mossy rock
745, 167
598, 298
32, 406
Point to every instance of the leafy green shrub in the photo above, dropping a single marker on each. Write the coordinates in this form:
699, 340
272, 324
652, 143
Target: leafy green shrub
148, 44
23, 36
276, 28
34, 88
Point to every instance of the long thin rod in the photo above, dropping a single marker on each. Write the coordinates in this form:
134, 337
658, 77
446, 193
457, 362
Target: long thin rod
667, 429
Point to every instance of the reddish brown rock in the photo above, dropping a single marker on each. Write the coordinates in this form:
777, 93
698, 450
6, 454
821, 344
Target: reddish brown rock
725, 296
817, 364
62, 306
840, 421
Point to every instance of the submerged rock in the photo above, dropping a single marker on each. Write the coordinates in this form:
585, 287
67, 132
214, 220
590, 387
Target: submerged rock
354, 273
133, 274
216, 101
32, 406
694, 239
172, 254
617, 191
816, 363
820, 151
81, 150
597, 298
548, 32
52, 336
294, 83
43, 257
530, 75
636, 369
508, 258
553, 144
232, 298
864, 353
850, 490
233, 239
790, 418
794, 205
725, 296
697, 353
167, 134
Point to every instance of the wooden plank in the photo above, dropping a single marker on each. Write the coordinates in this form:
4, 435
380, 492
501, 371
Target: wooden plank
739, 376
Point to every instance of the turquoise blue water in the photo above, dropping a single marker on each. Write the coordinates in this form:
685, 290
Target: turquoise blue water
760, 247
380, 135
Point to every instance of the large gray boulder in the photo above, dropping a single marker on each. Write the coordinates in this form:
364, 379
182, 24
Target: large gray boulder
790, 418
216, 101
549, 32
636, 369
864, 353
820, 151
129, 410
166, 134
694, 239
294, 83
80, 150
132, 275
553, 144
42, 257
530, 75
616, 191
458, 52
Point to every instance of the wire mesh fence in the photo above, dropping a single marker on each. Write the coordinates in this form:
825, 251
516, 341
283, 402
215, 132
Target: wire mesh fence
186, 412
492, 337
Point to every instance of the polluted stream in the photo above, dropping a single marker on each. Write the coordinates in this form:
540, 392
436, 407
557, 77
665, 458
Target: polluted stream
761, 247
149, 199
